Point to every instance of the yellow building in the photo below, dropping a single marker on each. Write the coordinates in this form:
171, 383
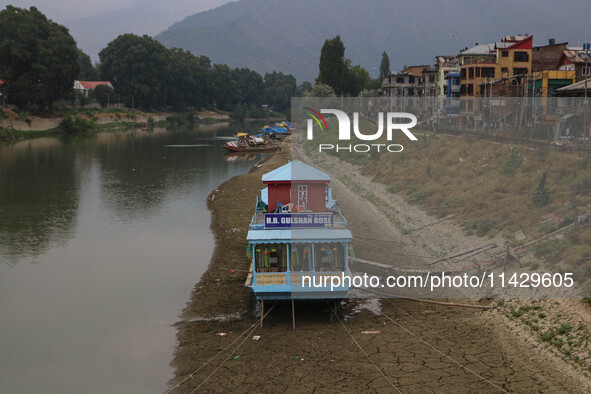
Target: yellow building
545, 82
501, 67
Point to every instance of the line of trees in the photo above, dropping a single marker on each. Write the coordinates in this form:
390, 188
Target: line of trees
39, 61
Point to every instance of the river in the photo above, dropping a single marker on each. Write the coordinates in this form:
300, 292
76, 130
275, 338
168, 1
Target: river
102, 238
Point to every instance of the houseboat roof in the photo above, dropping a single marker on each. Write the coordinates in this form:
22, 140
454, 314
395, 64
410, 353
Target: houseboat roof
295, 171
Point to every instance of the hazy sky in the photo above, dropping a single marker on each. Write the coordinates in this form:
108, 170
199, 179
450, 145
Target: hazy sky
63, 10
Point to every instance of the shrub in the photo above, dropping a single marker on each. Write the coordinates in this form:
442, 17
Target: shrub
75, 125
512, 163
541, 196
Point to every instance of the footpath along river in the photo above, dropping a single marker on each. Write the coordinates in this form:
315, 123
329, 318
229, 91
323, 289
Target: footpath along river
102, 238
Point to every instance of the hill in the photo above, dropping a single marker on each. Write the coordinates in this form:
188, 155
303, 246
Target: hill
287, 35
150, 17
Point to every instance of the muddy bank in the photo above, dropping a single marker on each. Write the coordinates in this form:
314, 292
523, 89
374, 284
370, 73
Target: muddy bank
414, 347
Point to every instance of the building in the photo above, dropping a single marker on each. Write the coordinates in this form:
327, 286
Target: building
408, 83
452, 84
575, 90
577, 60
88, 86
430, 82
445, 65
545, 57
496, 71
297, 232
544, 83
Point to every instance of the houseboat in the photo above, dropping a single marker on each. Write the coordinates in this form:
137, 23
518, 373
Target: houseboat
298, 238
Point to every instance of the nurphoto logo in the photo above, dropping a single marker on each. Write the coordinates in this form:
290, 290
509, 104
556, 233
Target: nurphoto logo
392, 124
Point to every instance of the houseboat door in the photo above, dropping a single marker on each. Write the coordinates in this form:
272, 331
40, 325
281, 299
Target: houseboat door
302, 198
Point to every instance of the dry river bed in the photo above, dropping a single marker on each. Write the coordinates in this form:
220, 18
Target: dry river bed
412, 347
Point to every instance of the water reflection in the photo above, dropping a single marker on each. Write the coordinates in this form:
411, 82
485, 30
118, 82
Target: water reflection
119, 226
39, 182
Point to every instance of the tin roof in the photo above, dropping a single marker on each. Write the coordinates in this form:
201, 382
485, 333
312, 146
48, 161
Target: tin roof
481, 49
295, 171
575, 86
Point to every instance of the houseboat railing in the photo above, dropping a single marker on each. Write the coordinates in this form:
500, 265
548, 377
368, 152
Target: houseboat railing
339, 218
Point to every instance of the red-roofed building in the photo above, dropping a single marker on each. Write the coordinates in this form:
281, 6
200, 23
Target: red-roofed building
88, 86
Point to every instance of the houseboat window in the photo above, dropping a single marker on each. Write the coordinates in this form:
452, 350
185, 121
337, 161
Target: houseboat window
301, 257
329, 256
270, 258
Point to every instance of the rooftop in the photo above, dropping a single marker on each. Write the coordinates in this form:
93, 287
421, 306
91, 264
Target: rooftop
480, 49
295, 171
575, 86
93, 84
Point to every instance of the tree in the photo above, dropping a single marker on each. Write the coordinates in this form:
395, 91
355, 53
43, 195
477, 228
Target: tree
384, 66
279, 89
38, 58
87, 70
357, 79
304, 87
332, 67
249, 86
103, 94
185, 80
320, 90
136, 66
223, 88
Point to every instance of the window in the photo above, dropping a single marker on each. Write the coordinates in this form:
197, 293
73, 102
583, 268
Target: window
431, 78
519, 71
329, 257
462, 89
270, 258
471, 73
520, 56
411, 79
477, 72
586, 71
470, 89
463, 74
505, 70
505, 53
399, 79
488, 72
301, 257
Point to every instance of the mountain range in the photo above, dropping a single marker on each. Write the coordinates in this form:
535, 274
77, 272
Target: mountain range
287, 35
150, 17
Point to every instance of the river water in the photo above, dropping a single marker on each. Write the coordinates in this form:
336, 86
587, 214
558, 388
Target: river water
102, 238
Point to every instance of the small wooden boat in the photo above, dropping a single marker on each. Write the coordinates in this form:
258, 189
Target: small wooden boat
242, 146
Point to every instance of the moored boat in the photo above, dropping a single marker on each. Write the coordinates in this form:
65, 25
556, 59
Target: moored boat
243, 146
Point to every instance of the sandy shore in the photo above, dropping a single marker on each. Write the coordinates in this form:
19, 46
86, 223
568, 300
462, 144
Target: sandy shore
420, 347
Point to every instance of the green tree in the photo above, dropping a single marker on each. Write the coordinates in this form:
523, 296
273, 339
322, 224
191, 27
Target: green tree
279, 89
332, 68
249, 86
223, 87
357, 79
384, 66
185, 80
136, 66
320, 90
38, 58
87, 70
103, 94
304, 87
